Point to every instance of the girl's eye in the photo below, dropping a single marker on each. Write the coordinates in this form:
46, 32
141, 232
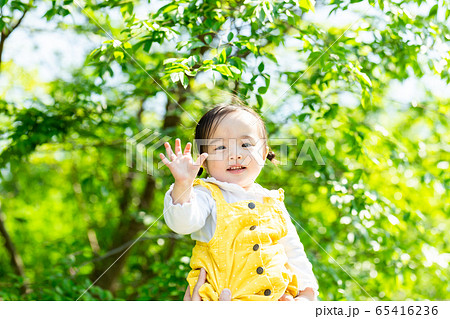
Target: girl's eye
247, 144
219, 147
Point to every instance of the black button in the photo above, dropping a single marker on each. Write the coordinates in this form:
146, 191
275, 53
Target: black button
251, 205
267, 292
253, 227
260, 270
255, 247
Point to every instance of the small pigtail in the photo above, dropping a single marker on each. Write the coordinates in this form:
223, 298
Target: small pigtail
200, 171
271, 157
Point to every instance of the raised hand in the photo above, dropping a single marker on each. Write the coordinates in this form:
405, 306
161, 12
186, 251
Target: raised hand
181, 165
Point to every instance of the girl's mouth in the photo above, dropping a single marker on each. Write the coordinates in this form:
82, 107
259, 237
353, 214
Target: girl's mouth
236, 169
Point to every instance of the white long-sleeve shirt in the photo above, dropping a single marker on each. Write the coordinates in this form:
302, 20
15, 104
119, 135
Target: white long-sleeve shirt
198, 217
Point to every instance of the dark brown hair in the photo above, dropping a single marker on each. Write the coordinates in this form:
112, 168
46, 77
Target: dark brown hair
209, 122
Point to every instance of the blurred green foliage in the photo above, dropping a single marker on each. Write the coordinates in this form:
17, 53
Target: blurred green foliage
373, 219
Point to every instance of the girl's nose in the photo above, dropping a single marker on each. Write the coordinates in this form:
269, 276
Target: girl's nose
234, 156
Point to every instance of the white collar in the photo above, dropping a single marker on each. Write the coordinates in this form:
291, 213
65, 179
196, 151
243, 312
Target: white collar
254, 189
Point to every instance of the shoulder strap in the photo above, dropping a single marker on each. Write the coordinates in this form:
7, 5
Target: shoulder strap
272, 199
281, 194
215, 190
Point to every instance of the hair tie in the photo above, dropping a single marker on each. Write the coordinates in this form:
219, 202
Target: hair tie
270, 155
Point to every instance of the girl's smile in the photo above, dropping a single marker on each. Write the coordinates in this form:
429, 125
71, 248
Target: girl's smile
236, 169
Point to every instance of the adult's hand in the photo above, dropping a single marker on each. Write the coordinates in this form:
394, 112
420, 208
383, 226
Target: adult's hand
225, 295
286, 297
305, 295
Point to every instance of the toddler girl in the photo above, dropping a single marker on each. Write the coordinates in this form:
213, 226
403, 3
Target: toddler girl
245, 239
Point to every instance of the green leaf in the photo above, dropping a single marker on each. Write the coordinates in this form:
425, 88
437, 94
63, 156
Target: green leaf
230, 36
315, 56
262, 89
260, 100
127, 9
362, 77
49, 14
267, 11
192, 60
252, 48
167, 8
271, 57
331, 113
235, 70
365, 78
184, 79
223, 56
261, 67
223, 69
228, 50
304, 117
357, 175
118, 55
147, 45
433, 11
208, 39
266, 78
308, 4
365, 98
170, 60
194, 45
175, 77
406, 216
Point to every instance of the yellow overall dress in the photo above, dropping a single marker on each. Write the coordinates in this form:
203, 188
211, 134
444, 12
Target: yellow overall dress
244, 254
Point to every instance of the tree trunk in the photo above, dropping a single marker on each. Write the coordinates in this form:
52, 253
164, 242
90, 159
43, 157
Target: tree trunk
15, 259
107, 271
2, 43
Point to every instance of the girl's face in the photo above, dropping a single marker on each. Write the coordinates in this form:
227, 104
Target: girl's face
237, 141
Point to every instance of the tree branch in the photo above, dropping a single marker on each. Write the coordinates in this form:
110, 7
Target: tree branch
18, 22
124, 246
16, 260
5, 35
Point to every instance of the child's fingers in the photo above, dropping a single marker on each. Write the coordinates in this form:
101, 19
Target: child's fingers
187, 149
169, 152
164, 159
177, 147
201, 159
